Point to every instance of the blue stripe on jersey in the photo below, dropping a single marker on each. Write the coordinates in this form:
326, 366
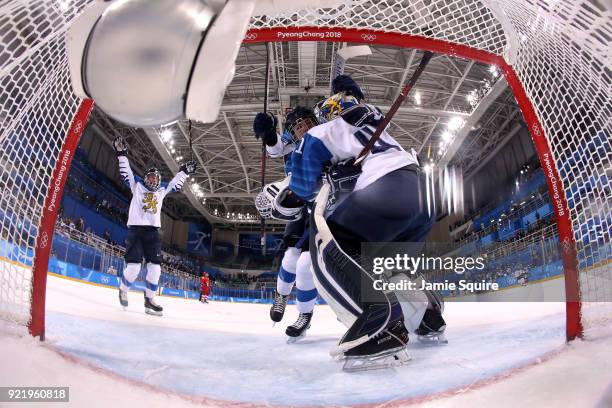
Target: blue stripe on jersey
287, 138
286, 276
307, 162
124, 174
305, 295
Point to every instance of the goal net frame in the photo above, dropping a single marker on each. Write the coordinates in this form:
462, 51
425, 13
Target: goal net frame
296, 27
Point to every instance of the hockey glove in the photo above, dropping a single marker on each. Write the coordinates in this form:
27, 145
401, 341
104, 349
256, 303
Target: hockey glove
120, 146
189, 167
344, 83
264, 126
342, 178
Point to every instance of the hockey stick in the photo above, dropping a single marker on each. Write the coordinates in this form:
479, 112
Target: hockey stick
190, 141
343, 54
263, 149
393, 110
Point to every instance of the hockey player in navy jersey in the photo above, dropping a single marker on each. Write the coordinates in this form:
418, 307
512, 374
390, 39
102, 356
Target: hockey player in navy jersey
295, 265
144, 223
384, 203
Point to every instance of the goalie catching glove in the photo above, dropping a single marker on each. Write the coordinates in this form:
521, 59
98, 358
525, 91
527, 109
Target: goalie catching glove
278, 202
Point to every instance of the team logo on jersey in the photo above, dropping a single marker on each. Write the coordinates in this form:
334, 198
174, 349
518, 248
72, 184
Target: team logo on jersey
149, 203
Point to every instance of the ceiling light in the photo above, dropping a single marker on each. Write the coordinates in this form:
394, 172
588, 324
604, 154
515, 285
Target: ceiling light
417, 97
166, 135
455, 123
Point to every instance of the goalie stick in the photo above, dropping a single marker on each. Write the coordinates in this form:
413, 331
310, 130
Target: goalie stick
346, 53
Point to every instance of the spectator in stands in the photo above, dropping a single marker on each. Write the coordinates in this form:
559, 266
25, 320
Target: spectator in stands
107, 237
80, 224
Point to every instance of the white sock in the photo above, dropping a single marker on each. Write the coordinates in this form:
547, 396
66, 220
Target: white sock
286, 273
130, 273
152, 280
306, 292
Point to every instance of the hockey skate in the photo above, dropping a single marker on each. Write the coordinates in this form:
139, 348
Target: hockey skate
431, 330
153, 308
123, 299
278, 307
384, 350
298, 329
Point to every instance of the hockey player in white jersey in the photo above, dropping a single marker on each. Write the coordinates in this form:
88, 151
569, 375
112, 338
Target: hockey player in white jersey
385, 202
295, 265
144, 223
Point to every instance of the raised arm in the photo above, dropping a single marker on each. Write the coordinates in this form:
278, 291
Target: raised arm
176, 184
121, 149
264, 127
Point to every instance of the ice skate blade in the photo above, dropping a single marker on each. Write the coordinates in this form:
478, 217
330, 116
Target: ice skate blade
153, 312
433, 340
293, 340
387, 359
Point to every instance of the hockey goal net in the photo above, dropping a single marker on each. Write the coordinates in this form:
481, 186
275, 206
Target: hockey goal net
553, 53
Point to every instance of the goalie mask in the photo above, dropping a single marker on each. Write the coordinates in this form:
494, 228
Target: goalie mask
269, 202
298, 121
334, 106
152, 179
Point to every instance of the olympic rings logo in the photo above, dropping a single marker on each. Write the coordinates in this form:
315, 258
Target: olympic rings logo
536, 131
250, 36
44, 240
368, 37
566, 245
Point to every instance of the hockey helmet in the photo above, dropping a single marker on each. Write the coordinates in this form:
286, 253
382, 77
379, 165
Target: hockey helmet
152, 178
298, 121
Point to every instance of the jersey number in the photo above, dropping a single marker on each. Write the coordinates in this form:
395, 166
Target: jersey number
365, 133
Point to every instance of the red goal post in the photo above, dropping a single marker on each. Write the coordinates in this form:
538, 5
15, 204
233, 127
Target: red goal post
553, 55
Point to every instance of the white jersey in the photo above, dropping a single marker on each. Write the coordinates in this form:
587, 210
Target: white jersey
284, 146
337, 140
146, 205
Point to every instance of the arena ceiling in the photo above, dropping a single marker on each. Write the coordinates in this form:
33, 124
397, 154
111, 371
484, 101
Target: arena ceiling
460, 113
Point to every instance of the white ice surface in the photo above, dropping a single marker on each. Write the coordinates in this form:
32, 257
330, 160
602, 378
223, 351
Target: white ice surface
225, 352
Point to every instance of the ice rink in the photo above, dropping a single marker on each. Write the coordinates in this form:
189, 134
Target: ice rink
222, 354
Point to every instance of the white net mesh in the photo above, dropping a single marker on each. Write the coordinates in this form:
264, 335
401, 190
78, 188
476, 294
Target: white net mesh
36, 108
558, 48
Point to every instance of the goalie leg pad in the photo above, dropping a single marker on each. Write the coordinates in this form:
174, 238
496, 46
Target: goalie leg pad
346, 286
413, 303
